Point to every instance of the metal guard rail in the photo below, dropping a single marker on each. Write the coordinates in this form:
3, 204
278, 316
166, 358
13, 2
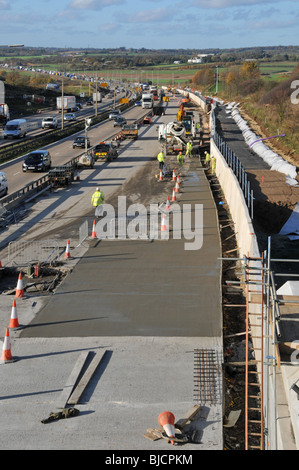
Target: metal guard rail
51, 135
34, 187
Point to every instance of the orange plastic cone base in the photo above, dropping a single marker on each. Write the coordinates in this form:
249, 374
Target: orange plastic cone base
163, 224
14, 322
6, 352
67, 251
19, 289
94, 235
166, 420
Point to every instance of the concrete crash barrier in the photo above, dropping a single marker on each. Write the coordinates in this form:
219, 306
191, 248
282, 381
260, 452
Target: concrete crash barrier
245, 235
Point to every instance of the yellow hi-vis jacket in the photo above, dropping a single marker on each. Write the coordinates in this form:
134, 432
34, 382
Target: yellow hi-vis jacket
160, 157
97, 198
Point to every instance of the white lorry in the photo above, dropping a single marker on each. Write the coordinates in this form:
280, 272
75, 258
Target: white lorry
4, 114
16, 129
97, 97
3, 184
69, 103
147, 101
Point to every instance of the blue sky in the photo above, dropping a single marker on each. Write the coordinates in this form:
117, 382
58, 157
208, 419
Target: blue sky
153, 24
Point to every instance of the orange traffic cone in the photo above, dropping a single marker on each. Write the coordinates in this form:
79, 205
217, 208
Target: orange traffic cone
94, 235
177, 187
167, 204
161, 176
67, 251
166, 420
163, 224
6, 351
1, 264
20, 288
173, 195
173, 176
178, 180
14, 322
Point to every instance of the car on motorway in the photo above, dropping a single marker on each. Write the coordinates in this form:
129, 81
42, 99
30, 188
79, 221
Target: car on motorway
79, 142
69, 117
119, 121
137, 103
50, 122
114, 114
147, 120
37, 160
104, 151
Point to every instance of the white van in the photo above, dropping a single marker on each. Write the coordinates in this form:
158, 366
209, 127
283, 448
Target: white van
16, 129
3, 184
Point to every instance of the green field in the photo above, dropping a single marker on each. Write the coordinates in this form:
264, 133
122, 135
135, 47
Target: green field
277, 71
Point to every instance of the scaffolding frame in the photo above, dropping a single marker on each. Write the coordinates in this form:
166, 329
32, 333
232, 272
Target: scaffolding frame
263, 331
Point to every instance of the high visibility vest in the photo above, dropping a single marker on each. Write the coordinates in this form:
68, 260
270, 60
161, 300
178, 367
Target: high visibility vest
97, 198
208, 157
160, 157
189, 146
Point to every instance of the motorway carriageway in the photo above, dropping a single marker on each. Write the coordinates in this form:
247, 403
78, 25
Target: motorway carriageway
150, 305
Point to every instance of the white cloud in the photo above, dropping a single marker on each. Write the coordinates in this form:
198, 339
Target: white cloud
93, 4
230, 3
150, 16
4, 5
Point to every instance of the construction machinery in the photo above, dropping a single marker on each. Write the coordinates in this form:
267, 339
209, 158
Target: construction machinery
173, 135
61, 175
129, 131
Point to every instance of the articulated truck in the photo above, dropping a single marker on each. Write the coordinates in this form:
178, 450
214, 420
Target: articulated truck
69, 103
147, 101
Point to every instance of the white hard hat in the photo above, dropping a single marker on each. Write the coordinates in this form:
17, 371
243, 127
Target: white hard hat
98, 189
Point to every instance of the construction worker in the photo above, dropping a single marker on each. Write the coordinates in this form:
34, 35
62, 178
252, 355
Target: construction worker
161, 159
213, 165
180, 159
97, 200
207, 159
189, 149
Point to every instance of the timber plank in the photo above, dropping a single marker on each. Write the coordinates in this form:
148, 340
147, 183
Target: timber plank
71, 381
77, 393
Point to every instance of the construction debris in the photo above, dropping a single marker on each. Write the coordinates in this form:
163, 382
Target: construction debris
184, 432
63, 414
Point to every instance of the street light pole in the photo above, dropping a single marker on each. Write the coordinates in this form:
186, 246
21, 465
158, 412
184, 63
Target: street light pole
62, 104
